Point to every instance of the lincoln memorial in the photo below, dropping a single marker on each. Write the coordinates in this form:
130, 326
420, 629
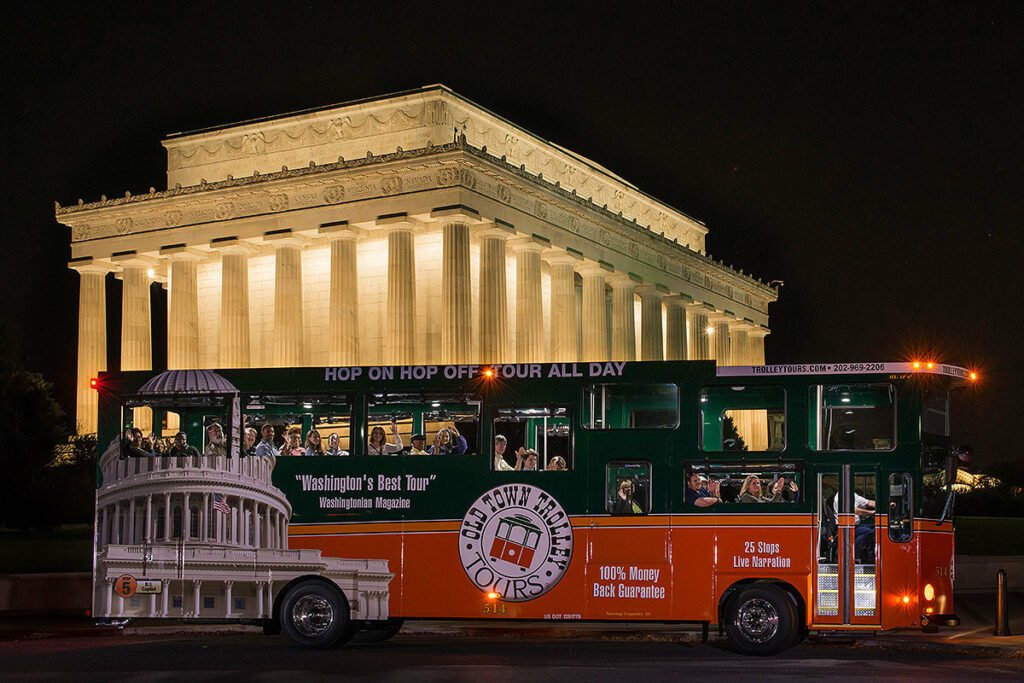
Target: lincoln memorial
414, 228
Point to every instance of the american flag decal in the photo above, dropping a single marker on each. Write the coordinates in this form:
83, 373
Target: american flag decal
220, 505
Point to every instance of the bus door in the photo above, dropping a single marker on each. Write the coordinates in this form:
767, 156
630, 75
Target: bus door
846, 570
627, 430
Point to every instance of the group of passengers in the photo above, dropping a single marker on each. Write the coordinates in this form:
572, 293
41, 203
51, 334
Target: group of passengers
448, 441
703, 493
526, 458
141, 446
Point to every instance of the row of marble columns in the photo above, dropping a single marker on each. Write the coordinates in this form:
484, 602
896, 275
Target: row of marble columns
250, 523
686, 335
264, 598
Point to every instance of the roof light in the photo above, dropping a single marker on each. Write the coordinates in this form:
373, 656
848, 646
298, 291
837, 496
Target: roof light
916, 365
974, 376
488, 372
94, 383
931, 366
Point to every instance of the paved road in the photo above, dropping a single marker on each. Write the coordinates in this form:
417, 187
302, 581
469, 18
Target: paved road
413, 658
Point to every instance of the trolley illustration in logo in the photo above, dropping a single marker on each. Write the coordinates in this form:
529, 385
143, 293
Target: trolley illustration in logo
515, 541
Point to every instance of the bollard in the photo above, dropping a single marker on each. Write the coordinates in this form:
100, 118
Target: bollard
1002, 618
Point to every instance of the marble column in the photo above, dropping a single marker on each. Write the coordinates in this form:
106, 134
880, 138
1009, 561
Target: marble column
493, 301
595, 313
227, 597
564, 325
92, 339
759, 427
148, 537
697, 326
259, 598
256, 535
623, 317
183, 310
167, 516
186, 518
344, 303
456, 294
651, 336
755, 338
131, 521
204, 521
288, 318
400, 342
136, 337
530, 347
196, 586
675, 327
234, 341
719, 341
265, 540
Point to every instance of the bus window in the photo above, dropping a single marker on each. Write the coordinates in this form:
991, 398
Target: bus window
631, 406
852, 417
321, 423
901, 520
935, 412
532, 438
628, 488
745, 483
743, 418
449, 423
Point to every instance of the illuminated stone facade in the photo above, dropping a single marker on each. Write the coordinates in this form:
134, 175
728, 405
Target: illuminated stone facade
412, 228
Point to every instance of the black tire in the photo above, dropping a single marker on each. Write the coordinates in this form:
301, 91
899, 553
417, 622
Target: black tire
380, 631
315, 615
760, 620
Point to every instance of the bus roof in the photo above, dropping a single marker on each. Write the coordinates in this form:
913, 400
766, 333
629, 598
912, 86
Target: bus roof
903, 368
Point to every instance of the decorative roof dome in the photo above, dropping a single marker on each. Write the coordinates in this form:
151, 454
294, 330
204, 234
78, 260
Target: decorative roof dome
187, 383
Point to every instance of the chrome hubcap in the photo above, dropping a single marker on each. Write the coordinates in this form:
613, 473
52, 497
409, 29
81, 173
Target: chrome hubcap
757, 620
312, 615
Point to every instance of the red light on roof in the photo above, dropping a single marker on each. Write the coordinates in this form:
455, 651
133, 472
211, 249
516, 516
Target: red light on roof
488, 373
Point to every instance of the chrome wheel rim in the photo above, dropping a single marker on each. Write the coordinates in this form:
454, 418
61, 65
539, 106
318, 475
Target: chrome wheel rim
312, 615
757, 620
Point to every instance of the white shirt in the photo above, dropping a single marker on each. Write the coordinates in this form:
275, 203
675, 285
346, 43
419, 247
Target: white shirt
859, 501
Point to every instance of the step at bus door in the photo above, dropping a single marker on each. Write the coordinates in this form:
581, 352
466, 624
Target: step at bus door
847, 570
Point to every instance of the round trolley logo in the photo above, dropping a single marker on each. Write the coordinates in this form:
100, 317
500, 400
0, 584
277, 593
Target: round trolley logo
515, 540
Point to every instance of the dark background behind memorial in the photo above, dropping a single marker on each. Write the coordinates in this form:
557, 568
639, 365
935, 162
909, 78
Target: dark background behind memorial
869, 156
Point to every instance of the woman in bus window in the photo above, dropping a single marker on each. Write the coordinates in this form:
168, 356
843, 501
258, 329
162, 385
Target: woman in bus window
293, 443
556, 464
751, 491
378, 443
448, 442
334, 446
314, 446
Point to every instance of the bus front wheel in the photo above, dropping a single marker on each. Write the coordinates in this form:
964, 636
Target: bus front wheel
315, 615
760, 620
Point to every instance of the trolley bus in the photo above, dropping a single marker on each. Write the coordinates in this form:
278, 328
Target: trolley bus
768, 500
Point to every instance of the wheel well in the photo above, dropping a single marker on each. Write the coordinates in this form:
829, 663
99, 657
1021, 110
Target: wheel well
791, 591
275, 615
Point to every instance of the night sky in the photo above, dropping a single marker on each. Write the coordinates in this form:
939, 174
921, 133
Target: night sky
866, 154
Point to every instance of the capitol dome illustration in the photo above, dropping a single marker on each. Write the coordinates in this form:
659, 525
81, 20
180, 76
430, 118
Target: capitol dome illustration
207, 535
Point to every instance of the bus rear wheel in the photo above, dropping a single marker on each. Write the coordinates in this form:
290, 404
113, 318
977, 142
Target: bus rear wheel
760, 620
315, 615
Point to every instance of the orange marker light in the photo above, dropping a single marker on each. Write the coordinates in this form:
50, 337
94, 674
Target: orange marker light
931, 366
906, 599
974, 376
929, 592
916, 365
488, 373
493, 595
928, 610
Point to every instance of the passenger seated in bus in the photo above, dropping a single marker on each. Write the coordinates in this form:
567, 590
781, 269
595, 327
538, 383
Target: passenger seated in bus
699, 495
249, 441
334, 446
556, 464
266, 446
215, 441
750, 492
448, 442
418, 442
314, 446
528, 462
378, 444
131, 444
181, 447
293, 443
500, 464
624, 502
159, 448
864, 527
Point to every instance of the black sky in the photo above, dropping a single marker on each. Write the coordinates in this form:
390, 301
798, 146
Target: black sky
867, 154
